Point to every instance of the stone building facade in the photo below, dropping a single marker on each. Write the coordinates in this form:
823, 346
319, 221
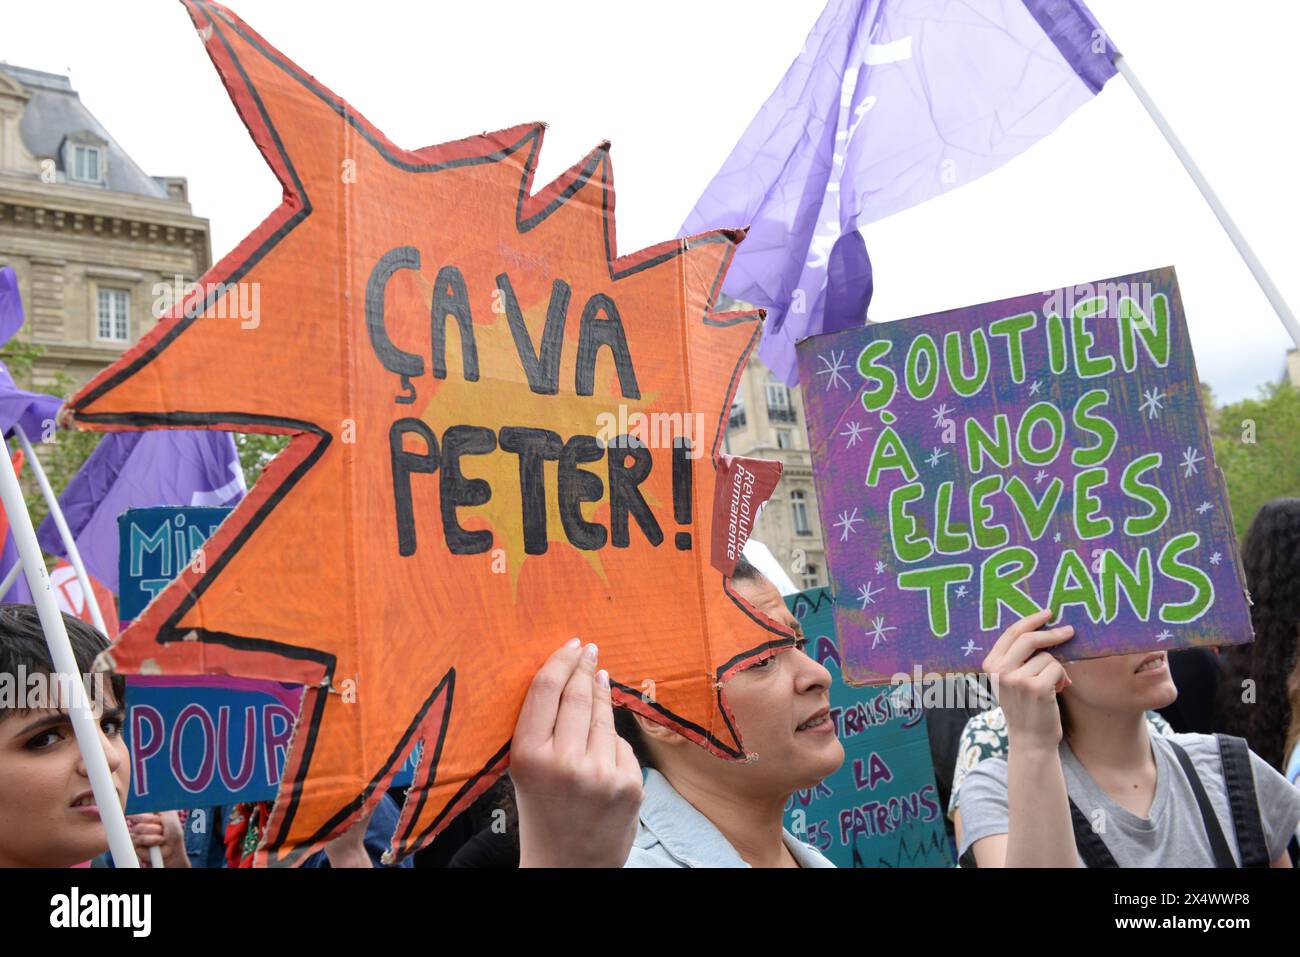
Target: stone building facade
767, 421
90, 235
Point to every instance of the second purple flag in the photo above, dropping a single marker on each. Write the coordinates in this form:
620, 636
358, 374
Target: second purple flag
891, 103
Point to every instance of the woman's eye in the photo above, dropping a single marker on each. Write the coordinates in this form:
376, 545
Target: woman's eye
112, 725
801, 644
43, 740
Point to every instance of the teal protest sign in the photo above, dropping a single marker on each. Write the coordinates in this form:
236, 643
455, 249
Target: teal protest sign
1049, 450
881, 808
154, 544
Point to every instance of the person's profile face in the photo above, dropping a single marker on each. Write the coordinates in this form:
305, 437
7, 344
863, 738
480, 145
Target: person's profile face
48, 816
782, 706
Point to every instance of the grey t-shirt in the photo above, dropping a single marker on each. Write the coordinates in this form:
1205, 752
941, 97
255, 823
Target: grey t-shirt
1173, 834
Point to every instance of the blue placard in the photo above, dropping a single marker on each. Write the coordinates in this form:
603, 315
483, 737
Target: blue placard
155, 544
205, 741
881, 808
200, 742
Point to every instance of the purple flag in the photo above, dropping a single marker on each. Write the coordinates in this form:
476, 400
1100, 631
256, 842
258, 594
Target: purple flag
34, 411
11, 305
891, 103
140, 470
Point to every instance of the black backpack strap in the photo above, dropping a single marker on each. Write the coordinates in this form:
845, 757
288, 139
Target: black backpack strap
1218, 843
1240, 781
1092, 849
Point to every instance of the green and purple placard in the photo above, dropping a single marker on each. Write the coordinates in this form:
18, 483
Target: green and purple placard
975, 465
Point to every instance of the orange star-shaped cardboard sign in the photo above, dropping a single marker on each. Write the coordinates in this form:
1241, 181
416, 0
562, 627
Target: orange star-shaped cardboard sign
460, 363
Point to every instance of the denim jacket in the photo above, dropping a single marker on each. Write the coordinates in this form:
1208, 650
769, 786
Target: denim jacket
672, 833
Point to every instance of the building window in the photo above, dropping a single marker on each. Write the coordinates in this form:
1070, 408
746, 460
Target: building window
779, 408
736, 420
810, 577
799, 505
114, 315
86, 164
784, 439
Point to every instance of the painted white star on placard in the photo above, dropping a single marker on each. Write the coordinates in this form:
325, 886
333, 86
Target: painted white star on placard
853, 431
934, 458
1203, 508
880, 568
941, 414
878, 630
961, 591
834, 367
1038, 479
1033, 388
867, 594
1164, 635
1191, 458
1216, 558
1151, 403
846, 523
1056, 537
970, 648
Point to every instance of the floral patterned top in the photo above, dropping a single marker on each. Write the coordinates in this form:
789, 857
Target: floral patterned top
985, 736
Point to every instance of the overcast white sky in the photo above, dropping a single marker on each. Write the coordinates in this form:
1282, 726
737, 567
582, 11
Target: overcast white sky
674, 89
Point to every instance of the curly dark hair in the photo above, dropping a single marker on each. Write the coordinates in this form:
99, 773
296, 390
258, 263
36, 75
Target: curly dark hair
1270, 555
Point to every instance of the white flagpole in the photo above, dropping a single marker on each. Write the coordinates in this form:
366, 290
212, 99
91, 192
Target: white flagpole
1252, 261
65, 534
74, 557
85, 725
12, 577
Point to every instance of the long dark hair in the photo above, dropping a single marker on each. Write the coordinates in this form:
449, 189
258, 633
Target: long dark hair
1270, 555
1293, 694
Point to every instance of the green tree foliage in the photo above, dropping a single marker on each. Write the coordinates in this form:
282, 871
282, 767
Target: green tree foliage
1257, 445
257, 450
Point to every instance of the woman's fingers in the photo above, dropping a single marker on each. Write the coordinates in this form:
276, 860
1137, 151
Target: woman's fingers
1042, 672
1037, 665
536, 724
1052, 678
993, 660
1062, 680
625, 759
1030, 644
573, 722
145, 828
602, 739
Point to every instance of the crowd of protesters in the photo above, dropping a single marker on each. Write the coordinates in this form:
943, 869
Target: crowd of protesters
1182, 759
